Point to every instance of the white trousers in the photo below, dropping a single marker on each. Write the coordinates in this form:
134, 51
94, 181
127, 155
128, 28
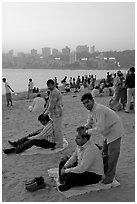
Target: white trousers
130, 94
57, 124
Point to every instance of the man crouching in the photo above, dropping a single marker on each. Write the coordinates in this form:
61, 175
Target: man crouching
84, 167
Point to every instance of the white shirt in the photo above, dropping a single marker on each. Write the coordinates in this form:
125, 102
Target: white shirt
89, 159
38, 104
106, 122
7, 89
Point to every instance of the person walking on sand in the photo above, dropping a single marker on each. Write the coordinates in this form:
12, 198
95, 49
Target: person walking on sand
8, 90
43, 137
102, 119
84, 167
130, 83
55, 109
30, 88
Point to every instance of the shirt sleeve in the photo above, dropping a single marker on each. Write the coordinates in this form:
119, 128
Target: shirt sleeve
99, 125
90, 122
47, 130
87, 160
71, 160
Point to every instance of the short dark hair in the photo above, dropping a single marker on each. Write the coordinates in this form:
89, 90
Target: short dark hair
4, 79
82, 131
30, 79
43, 117
38, 95
50, 81
87, 96
132, 69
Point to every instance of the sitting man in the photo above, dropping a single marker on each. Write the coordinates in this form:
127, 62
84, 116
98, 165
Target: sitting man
44, 137
84, 167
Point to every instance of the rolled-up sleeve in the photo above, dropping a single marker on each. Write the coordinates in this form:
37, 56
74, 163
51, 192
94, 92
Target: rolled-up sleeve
87, 160
99, 124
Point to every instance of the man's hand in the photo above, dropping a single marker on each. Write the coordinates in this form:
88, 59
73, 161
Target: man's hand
63, 171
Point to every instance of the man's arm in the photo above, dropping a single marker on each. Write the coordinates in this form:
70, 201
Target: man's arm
100, 124
10, 88
52, 103
87, 160
71, 160
36, 132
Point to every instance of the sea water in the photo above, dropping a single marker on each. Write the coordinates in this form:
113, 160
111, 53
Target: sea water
18, 78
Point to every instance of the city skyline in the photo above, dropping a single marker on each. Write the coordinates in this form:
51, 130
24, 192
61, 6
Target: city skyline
33, 25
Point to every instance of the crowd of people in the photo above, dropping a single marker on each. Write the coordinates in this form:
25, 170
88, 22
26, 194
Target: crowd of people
88, 164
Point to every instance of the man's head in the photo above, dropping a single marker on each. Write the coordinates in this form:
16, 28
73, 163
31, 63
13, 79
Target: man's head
88, 101
82, 137
4, 80
50, 84
132, 69
30, 80
43, 118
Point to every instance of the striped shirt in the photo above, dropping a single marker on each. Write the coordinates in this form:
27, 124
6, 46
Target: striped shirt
46, 132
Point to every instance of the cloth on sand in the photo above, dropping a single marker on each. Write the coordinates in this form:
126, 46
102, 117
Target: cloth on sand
39, 150
79, 190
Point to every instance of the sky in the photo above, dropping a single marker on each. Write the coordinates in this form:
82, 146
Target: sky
34, 25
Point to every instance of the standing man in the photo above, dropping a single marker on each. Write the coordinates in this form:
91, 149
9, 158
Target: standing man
30, 88
130, 83
8, 92
55, 109
103, 120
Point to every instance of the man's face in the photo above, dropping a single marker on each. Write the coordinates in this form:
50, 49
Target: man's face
79, 140
44, 122
50, 86
88, 104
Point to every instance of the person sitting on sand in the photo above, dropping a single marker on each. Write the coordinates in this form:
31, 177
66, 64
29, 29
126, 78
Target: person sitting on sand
37, 105
43, 137
84, 167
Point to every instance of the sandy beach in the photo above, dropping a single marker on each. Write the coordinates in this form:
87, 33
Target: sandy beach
17, 122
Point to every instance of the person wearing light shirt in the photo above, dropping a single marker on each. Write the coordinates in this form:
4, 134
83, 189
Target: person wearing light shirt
55, 109
102, 120
8, 90
37, 105
84, 167
43, 137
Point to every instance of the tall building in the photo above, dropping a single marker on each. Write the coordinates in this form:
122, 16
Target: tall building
73, 57
46, 52
66, 51
55, 52
82, 48
92, 49
33, 53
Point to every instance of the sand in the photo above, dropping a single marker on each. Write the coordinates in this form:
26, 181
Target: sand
17, 122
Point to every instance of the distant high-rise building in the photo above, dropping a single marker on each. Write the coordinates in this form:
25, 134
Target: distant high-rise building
55, 52
82, 48
33, 53
73, 57
46, 52
10, 56
92, 49
66, 51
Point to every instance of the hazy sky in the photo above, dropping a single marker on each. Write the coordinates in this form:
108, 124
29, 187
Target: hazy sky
108, 26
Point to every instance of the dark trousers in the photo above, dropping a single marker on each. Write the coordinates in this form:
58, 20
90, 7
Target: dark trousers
25, 143
74, 179
111, 153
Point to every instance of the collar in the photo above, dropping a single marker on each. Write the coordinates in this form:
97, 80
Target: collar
85, 145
